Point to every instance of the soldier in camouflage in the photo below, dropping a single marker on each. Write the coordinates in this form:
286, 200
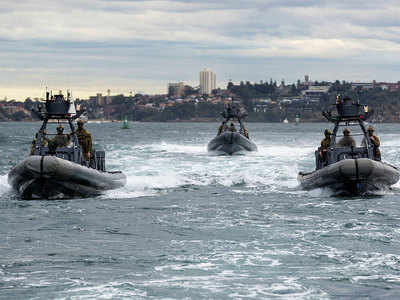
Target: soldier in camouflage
60, 138
232, 128
375, 143
325, 143
85, 140
222, 128
346, 140
43, 142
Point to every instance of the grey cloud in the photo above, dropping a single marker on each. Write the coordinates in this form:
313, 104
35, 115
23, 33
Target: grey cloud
113, 41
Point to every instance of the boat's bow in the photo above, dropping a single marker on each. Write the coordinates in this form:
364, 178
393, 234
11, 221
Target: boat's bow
52, 177
352, 175
230, 143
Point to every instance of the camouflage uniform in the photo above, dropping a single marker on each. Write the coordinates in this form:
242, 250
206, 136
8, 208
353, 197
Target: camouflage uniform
232, 128
346, 140
375, 144
245, 132
43, 143
222, 128
325, 143
85, 141
61, 140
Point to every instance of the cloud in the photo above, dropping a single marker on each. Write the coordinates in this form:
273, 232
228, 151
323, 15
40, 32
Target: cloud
157, 41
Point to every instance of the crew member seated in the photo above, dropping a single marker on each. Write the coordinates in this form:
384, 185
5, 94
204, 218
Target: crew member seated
52, 147
43, 142
85, 140
61, 139
223, 127
232, 128
375, 143
245, 132
325, 143
346, 140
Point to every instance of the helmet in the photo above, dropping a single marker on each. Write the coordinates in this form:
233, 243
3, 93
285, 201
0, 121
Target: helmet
327, 132
60, 128
346, 130
370, 128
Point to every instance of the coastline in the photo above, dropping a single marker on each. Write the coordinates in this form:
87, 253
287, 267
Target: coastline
206, 120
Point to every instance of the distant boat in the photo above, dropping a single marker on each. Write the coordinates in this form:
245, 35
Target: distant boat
125, 124
286, 121
228, 140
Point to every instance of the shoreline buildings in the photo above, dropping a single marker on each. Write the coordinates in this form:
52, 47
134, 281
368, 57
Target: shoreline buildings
207, 81
176, 89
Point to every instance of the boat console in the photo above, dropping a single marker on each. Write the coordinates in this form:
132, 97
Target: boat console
62, 110
235, 111
349, 170
348, 113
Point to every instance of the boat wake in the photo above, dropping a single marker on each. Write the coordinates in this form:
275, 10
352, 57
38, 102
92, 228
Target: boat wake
4, 187
153, 169
156, 168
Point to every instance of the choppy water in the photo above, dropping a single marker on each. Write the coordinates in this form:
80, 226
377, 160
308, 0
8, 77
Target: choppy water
193, 226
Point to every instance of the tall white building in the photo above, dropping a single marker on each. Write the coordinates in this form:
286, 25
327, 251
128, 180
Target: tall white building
207, 81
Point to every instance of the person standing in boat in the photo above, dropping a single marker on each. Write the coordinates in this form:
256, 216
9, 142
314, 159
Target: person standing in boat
245, 132
232, 128
222, 128
346, 140
85, 140
375, 143
325, 143
43, 143
60, 138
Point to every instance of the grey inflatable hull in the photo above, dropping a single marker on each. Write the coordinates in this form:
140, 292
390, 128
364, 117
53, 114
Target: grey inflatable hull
230, 143
50, 177
353, 176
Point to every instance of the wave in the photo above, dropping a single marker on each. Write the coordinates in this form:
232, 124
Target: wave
4, 187
153, 168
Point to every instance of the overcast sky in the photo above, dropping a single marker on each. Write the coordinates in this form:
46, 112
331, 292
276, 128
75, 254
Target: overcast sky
128, 45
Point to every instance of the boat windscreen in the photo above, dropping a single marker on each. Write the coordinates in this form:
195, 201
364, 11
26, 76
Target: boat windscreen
355, 132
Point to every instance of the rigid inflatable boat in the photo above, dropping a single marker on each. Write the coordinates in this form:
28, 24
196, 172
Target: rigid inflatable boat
230, 143
51, 177
349, 170
229, 140
358, 175
61, 171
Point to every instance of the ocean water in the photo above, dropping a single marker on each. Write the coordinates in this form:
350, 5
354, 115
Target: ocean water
189, 225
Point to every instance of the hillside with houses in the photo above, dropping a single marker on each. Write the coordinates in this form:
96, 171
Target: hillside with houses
267, 101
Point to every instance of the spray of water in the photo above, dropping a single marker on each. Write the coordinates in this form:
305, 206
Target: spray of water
4, 187
157, 167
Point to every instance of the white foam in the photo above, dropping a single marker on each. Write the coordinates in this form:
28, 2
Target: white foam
147, 185
178, 148
105, 291
4, 187
151, 168
179, 267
